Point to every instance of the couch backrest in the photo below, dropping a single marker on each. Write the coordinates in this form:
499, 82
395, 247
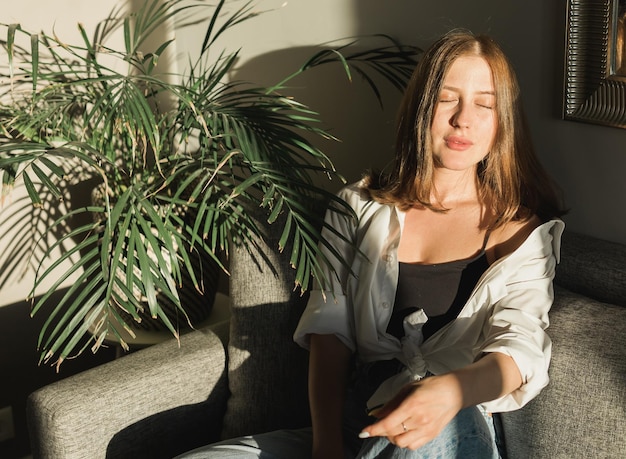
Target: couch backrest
582, 412
593, 267
267, 371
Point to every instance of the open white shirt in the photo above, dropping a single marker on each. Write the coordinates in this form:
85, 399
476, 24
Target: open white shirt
507, 312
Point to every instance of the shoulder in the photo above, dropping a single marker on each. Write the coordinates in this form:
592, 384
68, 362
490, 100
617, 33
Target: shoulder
353, 192
510, 236
358, 198
365, 212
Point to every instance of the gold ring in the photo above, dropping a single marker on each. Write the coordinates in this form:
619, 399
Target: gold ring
404, 427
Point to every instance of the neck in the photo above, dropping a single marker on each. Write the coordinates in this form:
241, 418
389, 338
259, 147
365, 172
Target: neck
451, 188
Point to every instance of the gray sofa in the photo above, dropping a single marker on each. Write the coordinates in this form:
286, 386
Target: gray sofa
246, 375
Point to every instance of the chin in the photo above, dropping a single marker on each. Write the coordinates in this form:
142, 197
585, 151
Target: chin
456, 166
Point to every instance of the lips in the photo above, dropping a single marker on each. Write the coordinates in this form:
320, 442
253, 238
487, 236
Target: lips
455, 142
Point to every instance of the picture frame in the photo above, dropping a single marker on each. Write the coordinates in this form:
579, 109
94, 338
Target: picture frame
595, 62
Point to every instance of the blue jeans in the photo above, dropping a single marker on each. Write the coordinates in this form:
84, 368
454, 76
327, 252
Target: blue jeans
469, 435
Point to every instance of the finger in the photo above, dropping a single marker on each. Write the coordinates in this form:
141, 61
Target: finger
411, 438
389, 426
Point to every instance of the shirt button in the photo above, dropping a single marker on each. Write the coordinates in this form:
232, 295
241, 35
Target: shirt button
386, 305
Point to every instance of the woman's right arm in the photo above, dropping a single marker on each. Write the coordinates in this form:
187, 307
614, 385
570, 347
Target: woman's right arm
329, 364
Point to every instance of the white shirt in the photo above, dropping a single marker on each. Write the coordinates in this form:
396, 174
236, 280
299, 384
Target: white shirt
507, 312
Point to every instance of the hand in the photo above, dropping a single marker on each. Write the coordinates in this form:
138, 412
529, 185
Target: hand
419, 412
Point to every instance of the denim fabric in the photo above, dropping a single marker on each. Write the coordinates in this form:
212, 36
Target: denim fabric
471, 434
466, 436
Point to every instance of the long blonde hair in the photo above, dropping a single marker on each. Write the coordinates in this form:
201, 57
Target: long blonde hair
511, 178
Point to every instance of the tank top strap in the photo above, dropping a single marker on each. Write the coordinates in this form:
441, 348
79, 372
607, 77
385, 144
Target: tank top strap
486, 240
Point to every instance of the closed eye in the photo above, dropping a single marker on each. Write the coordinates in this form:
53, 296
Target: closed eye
485, 101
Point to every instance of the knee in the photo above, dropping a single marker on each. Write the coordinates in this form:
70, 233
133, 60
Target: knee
472, 435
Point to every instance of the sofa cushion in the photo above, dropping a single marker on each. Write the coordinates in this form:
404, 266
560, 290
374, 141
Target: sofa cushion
582, 412
267, 371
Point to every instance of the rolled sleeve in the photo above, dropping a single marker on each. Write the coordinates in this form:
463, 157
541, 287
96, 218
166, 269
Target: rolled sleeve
518, 326
325, 314
522, 337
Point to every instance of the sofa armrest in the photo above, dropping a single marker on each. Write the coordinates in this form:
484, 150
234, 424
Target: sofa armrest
154, 403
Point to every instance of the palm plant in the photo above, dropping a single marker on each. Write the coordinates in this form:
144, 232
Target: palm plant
180, 160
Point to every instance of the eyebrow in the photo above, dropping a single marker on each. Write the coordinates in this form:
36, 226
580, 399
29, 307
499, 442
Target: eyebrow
455, 89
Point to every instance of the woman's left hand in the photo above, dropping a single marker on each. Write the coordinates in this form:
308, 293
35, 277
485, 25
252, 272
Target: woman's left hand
419, 412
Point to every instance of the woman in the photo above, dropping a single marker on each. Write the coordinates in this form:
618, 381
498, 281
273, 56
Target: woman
440, 318
454, 280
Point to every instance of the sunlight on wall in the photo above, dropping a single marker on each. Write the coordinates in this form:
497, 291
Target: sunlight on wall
21, 227
60, 17
281, 24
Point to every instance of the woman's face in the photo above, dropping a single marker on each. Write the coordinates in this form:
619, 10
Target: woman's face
464, 122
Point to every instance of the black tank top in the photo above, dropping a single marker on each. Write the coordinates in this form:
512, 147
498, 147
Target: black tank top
441, 290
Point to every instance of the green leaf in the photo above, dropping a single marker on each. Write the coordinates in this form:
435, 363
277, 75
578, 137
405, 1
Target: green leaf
34, 45
82, 262
9, 174
53, 167
32, 191
147, 278
45, 180
128, 44
88, 294
10, 47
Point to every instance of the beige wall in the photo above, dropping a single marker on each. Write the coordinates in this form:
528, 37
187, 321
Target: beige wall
588, 161
61, 16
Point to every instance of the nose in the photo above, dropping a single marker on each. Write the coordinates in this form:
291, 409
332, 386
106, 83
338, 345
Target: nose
462, 116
